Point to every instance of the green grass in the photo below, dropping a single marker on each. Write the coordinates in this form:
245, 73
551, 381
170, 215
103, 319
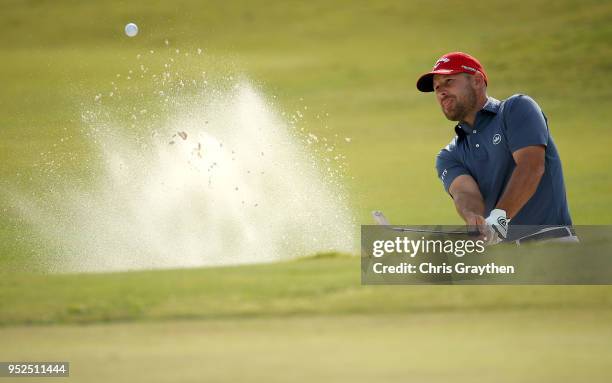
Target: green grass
510, 346
311, 319
327, 285
303, 320
357, 61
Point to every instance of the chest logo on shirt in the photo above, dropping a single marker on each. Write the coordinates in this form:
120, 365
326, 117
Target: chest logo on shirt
496, 139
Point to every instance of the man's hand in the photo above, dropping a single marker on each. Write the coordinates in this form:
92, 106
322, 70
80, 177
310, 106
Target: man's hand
477, 223
496, 227
493, 229
470, 206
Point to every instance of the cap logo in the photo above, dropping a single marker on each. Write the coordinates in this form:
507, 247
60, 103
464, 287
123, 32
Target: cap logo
440, 61
468, 68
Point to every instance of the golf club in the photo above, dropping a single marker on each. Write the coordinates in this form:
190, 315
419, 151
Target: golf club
380, 219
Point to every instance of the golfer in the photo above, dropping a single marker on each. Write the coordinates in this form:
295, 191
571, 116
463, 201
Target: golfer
502, 168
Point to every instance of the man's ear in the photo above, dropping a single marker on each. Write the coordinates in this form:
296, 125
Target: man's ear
478, 80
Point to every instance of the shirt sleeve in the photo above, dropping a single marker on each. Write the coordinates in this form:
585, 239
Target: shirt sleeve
449, 166
525, 123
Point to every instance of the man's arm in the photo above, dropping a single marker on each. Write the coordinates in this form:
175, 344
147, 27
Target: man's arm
524, 180
468, 200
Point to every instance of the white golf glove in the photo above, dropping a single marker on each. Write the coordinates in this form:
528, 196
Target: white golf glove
497, 227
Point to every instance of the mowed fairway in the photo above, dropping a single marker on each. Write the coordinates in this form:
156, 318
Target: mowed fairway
355, 63
507, 346
301, 321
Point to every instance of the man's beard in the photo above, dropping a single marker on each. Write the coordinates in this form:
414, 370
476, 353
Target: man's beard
462, 107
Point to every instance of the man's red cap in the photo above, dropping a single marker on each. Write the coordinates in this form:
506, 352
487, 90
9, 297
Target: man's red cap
451, 63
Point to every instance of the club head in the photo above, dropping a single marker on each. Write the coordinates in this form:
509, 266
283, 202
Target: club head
379, 218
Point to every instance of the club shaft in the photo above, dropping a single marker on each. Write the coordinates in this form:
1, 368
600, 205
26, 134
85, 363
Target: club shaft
451, 232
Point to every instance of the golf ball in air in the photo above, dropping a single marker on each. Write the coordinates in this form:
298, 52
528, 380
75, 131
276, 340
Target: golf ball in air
131, 29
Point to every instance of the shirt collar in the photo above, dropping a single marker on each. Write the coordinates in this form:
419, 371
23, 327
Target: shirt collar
491, 106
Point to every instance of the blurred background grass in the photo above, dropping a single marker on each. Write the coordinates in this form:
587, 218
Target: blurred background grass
356, 63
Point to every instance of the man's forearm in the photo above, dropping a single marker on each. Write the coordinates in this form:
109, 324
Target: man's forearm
469, 205
522, 185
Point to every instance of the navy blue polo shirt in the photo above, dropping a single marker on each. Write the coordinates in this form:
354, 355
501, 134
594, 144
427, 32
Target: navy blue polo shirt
484, 152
